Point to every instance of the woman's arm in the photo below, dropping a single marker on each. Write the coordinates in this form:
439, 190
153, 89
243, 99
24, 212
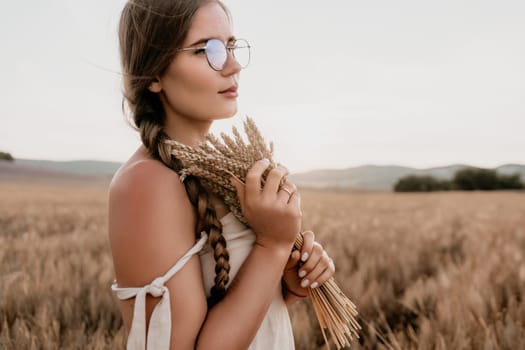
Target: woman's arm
151, 227
234, 321
275, 217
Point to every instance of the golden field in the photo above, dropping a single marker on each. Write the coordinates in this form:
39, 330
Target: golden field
427, 271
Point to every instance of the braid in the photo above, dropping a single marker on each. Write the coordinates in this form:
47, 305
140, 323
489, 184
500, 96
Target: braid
208, 222
148, 119
149, 34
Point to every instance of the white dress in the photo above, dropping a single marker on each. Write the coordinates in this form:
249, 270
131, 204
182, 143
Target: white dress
275, 331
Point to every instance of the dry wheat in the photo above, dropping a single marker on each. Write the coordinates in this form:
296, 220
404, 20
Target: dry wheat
214, 162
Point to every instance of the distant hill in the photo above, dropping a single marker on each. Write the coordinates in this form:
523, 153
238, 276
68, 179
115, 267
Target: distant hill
39, 171
366, 177
80, 167
374, 177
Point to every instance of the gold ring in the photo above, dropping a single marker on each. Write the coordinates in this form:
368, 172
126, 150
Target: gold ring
286, 190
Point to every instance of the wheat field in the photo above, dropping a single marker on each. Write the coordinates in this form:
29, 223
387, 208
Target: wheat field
427, 271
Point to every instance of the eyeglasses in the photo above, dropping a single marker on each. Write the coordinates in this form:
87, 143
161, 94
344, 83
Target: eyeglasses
217, 52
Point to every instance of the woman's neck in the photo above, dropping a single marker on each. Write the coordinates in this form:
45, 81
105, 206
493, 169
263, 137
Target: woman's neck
187, 131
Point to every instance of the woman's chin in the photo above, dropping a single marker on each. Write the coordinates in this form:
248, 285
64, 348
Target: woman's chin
229, 112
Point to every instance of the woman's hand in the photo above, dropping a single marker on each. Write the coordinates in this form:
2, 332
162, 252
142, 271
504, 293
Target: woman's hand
308, 268
274, 213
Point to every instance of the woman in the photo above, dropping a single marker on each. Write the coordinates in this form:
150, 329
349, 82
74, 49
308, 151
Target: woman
188, 274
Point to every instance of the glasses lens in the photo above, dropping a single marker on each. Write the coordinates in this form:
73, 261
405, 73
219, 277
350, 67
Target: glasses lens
216, 53
241, 52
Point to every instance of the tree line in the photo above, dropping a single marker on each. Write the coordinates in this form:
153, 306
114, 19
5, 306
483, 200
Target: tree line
468, 179
6, 156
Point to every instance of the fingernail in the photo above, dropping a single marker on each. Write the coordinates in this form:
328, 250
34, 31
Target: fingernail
265, 160
314, 285
302, 273
304, 257
305, 283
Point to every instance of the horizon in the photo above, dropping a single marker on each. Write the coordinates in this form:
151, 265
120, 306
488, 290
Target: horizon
302, 171
418, 84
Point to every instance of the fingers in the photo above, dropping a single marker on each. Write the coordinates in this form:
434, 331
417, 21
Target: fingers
293, 260
273, 180
317, 269
253, 178
287, 190
285, 194
308, 243
289, 185
324, 276
295, 201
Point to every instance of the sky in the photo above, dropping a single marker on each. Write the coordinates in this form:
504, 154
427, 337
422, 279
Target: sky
333, 84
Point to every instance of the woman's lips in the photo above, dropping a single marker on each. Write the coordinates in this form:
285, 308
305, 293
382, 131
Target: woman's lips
231, 92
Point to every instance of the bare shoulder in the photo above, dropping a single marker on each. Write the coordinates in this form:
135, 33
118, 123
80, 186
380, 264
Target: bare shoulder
141, 175
150, 220
151, 226
148, 184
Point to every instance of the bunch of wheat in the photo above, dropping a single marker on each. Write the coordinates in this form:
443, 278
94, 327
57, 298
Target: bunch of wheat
213, 163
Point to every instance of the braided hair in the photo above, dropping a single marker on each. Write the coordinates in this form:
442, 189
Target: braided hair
150, 31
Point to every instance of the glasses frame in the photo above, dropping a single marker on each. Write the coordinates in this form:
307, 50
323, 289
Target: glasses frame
229, 49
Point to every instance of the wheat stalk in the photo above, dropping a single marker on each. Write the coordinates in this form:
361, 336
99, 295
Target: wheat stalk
213, 162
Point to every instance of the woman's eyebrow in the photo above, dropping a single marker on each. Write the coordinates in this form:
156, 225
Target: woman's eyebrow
203, 40
200, 41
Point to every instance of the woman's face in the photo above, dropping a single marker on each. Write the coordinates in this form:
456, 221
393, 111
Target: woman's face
190, 88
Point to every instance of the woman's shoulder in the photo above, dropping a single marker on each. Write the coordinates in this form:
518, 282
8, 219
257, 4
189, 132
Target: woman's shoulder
143, 170
149, 215
144, 190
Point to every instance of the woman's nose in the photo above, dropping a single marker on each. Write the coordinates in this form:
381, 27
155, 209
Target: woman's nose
231, 66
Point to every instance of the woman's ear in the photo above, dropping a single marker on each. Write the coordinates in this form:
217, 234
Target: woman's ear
155, 86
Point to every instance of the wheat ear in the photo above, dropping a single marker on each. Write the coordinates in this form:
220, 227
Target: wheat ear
214, 163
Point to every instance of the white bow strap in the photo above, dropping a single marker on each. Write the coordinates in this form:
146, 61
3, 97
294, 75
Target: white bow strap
160, 321
159, 330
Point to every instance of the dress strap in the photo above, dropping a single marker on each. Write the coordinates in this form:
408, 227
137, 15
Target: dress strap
159, 331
